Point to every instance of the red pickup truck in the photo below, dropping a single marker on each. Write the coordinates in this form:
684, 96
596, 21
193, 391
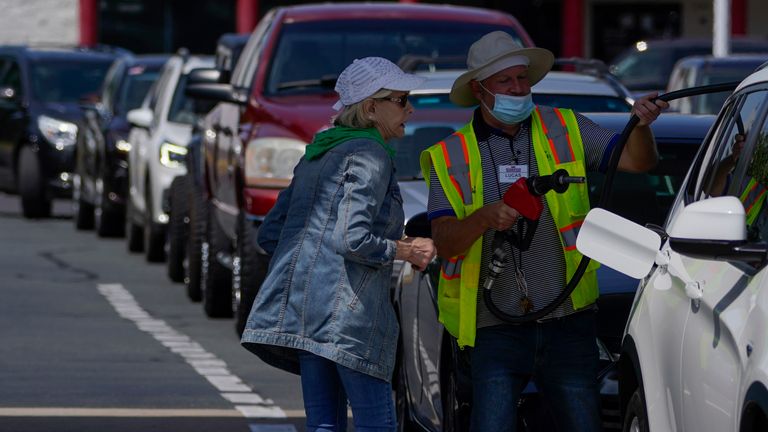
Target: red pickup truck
280, 95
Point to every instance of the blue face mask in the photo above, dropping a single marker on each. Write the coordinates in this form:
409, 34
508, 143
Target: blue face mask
510, 109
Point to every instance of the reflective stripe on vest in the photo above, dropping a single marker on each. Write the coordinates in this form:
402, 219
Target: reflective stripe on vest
451, 268
556, 131
569, 234
457, 160
752, 198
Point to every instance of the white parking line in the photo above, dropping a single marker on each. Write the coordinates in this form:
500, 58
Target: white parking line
248, 403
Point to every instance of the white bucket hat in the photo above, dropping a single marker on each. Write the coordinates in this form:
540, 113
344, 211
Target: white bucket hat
492, 53
366, 76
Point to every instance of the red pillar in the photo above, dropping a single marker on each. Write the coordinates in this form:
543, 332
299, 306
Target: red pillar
89, 22
573, 28
247, 15
738, 17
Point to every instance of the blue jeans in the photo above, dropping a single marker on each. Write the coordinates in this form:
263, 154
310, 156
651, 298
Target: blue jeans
562, 358
327, 386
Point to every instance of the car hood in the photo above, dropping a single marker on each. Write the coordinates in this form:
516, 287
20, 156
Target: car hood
61, 111
302, 115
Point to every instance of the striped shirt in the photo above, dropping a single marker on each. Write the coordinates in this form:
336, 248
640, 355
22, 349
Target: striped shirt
544, 263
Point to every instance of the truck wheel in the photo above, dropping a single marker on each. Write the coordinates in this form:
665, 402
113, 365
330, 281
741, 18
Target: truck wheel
178, 228
217, 279
34, 203
249, 268
636, 418
198, 216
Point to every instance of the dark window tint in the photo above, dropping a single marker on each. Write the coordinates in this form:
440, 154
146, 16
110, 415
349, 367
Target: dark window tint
137, 82
66, 80
308, 52
187, 110
647, 197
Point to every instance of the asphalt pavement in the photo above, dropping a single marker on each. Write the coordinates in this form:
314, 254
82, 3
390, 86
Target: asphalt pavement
94, 338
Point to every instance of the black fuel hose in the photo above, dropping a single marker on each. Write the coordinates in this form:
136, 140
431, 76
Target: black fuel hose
613, 164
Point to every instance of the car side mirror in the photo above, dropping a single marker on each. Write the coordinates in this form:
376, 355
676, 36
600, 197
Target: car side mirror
418, 226
141, 117
216, 92
203, 76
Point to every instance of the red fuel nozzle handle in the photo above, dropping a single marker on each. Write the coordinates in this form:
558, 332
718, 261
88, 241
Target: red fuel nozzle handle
521, 199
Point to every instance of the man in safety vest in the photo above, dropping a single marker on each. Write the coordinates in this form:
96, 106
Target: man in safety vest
468, 173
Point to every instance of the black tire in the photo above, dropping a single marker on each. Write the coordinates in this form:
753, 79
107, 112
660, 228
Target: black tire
216, 278
178, 228
198, 216
636, 416
109, 222
83, 210
134, 234
34, 202
249, 268
154, 233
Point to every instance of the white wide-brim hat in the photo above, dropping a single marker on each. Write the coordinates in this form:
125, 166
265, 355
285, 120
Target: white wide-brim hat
366, 76
495, 52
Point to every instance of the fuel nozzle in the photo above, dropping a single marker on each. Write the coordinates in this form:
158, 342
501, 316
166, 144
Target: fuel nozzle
558, 181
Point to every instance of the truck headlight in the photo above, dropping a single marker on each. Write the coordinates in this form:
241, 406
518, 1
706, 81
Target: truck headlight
172, 155
269, 162
58, 132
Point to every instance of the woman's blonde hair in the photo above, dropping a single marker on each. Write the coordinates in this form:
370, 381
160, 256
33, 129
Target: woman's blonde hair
355, 116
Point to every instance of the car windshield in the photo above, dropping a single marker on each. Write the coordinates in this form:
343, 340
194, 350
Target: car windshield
310, 55
187, 110
66, 81
712, 102
137, 82
583, 103
646, 197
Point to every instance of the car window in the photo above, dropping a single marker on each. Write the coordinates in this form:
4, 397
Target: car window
12, 78
310, 55
185, 109
245, 68
66, 80
734, 130
752, 185
111, 82
137, 82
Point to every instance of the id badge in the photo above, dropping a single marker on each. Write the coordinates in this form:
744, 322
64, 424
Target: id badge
511, 173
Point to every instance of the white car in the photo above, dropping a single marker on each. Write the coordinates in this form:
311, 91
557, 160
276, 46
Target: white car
695, 349
162, 127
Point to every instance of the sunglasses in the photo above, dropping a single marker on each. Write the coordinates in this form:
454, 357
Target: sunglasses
402, 100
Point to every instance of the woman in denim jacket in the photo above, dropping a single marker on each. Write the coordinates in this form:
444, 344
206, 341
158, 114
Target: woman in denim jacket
324, 308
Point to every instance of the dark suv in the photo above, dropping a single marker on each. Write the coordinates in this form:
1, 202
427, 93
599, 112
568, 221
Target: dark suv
100, 184
280, 95
41, 90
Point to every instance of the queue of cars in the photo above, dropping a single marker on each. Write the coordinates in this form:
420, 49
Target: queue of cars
188, 170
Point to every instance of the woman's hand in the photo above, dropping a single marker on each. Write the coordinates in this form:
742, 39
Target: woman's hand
418, 251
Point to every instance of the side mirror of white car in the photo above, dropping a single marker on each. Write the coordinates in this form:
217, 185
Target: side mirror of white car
618, 243
141, 117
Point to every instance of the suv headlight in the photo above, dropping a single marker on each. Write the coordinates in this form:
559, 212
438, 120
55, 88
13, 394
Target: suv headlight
269, 162
172, 155
58, 132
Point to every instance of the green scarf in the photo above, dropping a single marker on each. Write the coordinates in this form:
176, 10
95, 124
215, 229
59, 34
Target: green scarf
334, 136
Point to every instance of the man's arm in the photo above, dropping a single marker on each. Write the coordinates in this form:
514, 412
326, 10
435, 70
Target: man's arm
453, 236
640, 154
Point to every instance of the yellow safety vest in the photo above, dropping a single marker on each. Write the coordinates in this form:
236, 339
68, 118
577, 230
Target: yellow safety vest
557, 144
753, 197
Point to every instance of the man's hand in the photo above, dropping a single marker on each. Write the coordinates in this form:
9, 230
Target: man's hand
499, 216
647, 110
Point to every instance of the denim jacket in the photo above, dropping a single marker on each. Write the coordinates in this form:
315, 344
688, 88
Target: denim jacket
332, 237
